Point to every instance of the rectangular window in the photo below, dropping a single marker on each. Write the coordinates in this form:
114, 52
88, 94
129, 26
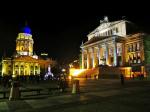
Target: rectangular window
116, 30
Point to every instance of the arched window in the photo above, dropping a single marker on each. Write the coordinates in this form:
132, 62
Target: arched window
21, 73
16, 72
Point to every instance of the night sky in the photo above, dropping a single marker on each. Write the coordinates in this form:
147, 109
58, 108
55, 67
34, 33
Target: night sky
58, 35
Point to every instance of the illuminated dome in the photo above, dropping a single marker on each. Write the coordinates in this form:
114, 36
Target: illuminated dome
26, 29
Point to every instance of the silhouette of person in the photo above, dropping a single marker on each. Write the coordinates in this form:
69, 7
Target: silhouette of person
122, 79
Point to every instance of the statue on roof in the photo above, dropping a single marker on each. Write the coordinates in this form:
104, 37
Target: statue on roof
105, 18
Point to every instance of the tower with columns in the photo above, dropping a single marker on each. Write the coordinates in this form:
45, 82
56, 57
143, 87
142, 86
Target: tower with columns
24, 62
24, 42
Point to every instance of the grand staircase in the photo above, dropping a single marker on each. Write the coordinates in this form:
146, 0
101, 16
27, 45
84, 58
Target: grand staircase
104, 72
89, 73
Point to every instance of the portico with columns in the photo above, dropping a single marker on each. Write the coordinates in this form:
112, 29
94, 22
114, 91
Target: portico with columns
103, 52
105, 45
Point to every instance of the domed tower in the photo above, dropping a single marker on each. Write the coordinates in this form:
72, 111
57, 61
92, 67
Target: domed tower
24, 42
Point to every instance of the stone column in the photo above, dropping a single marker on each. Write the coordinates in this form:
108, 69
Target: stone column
123, 54
23, 68
39, 69
34, 68
82, 58
19, 68
29, 70
115, 53
93, 58
88, 58
13, 68
107, 54
99, 56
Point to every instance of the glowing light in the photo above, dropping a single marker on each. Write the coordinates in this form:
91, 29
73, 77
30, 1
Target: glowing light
44, 54
70, 77
63, 70
76, 72
75, 60
70, 65
109, 65
13, 76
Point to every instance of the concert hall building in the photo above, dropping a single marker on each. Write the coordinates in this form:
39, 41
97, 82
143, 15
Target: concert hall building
117, 44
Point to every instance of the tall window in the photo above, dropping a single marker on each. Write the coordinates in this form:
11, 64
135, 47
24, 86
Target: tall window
31, 73
134, 47
21, 72
16, 72
131, 48
138, 46
111, 32
116, 30
128, 48
134, 59
138, 58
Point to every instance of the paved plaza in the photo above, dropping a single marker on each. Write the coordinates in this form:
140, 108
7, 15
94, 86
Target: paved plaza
103, 95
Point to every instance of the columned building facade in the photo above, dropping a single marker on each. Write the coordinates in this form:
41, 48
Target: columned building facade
114, 44
104, 52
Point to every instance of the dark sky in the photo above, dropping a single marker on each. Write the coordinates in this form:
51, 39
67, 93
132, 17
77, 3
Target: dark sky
59, 35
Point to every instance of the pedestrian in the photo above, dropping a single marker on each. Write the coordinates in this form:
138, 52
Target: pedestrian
122, 79
133, 76
61, 85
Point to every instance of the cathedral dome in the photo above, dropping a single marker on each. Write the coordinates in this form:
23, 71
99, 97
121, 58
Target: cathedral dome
26, 29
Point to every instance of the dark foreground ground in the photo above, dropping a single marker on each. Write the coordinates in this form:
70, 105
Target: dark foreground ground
103, 95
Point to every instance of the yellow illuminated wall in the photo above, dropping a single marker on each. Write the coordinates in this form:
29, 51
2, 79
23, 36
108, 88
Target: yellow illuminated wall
6, 67
22, 66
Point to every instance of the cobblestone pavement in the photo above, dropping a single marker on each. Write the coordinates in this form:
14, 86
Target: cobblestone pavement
103, 95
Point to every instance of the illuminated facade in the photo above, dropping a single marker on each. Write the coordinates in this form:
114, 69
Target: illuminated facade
116, 44
24, 62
